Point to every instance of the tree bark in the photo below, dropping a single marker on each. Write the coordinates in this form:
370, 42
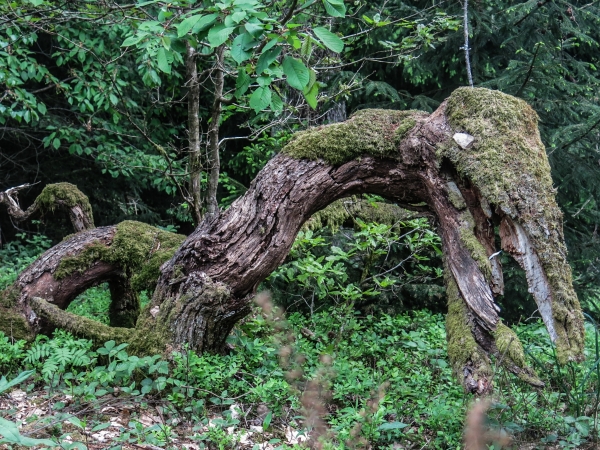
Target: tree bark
412, 159
214, 161
195, 157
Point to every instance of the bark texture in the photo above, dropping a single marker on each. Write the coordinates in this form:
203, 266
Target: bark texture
459, 161
195, 157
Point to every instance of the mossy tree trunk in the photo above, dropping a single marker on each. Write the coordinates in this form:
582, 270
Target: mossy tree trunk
476, 162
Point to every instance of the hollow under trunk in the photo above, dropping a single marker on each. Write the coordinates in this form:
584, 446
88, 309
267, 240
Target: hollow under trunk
475, 163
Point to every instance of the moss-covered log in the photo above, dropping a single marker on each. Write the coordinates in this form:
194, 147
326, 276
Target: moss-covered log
64, 196
128, 256
476, 163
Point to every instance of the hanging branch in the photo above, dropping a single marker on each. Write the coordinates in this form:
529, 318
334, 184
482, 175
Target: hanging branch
530, 71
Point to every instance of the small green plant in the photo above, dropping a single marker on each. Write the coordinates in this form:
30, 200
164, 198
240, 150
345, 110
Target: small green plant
11, 354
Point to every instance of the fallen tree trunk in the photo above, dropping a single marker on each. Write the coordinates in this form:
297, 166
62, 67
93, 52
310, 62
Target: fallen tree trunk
476, 162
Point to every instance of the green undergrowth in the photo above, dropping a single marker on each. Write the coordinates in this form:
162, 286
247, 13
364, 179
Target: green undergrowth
95, 303
384, 380
18, 254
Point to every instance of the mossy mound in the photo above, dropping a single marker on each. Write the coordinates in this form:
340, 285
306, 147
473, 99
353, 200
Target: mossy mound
507, 162
508, 156
345, 209
375, 132
67, 193
12, 323
137, 248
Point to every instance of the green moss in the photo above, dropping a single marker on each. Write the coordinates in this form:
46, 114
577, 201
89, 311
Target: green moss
507, 163
11, 322
345, 209
71, 264
67, 193
471, 243
14, 325
78, 325
463, 350
509, 345
407, 124
512, 355
195, 316
507, 154
138, 248
375, 132
455, 196
8, 297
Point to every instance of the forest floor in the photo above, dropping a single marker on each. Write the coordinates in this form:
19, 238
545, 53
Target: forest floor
353, 382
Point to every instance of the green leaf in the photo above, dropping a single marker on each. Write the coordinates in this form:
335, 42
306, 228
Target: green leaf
56, 143
368, 20
272, 43
267, 420
239, 47
276, 102
101, 426
266, 59
335, 8
5, 385
306, 48
312, 80
204, 23
238, 16
189, 22
329, 40
218, 34
163, 62
242, 83
260, 99
296, 72
11, 435
392, 426
253, 28
41, 108
132, 40
178, 45
311, 95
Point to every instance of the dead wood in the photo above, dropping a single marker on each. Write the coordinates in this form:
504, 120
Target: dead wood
475, 162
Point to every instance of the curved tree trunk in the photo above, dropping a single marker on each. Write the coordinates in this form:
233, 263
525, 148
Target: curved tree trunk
476, 162
64, 196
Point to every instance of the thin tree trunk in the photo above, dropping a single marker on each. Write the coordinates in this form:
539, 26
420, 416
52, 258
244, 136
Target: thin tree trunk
195, 156
214, 163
